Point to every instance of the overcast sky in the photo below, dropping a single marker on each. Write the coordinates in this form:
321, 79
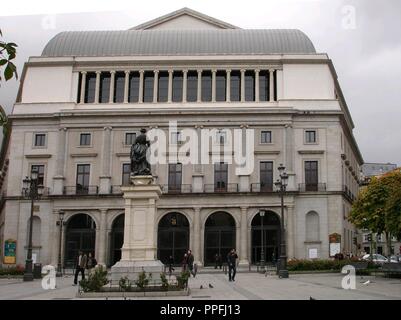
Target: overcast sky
363, 38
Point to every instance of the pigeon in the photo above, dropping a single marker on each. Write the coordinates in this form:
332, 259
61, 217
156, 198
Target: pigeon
366, 282
210, 286
201, 287
311, 298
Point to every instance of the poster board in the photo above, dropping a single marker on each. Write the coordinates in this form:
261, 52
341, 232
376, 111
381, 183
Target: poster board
10, 249
334, 244
312, 253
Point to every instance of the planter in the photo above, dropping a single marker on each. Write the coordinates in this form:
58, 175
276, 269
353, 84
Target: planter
133, 294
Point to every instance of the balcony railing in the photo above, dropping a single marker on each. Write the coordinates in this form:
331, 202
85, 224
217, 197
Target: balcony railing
314, 187
221, 188
348, 193
25, 192
172, 189
261, 187
81, 190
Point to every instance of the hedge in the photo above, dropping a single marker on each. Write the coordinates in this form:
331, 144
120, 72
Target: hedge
12, 271
311, 265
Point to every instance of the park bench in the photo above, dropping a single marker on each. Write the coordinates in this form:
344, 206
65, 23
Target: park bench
390, 268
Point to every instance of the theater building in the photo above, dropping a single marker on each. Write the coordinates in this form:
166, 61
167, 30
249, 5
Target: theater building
84, 100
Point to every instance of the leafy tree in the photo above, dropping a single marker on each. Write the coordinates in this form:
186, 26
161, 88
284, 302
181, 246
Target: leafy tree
8, 52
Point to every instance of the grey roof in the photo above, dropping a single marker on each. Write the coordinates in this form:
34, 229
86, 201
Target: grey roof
376, 169
178, 42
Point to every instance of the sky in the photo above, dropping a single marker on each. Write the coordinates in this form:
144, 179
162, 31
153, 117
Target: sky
363, 39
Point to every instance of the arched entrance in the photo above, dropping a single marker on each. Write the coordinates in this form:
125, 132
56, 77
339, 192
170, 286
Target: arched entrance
219, 236
172, 237
116, 239
80, 235
271, 237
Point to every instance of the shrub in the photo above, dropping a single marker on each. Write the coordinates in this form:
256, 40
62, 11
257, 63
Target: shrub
182, 279
143, 280
164, 280
12, 271
95, 281
125, 284
312, 265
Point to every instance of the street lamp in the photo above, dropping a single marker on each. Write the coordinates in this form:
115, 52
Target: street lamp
33, 191
60, 223
262, 252
281, 185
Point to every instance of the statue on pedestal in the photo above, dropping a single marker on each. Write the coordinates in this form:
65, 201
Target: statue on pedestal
139, 164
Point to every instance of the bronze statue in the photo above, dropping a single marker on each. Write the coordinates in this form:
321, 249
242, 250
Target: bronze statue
139, 164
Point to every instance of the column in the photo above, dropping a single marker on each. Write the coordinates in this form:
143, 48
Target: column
197, 236
290, 232
140, 96
243, 254
184, 85
155, 85
244, 180
101, 258
257, 85
112, 80
83, 84
214, 85
105, 178
97, 86
271, 85
55, 235
289, 156
242, 85
58, 179
126, 86
228, 86
199, 86
170, 86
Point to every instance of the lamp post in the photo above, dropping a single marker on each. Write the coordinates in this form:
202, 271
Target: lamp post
33, 191
60, 223
262, 251
281, 185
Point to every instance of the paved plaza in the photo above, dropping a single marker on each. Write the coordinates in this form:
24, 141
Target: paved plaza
252, 286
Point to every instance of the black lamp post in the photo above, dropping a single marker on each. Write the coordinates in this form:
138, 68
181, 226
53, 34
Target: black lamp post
262, 252
281, 185
33, 191
60, 223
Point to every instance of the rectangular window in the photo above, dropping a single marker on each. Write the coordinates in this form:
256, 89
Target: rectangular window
79, 87
104, 90
264, 85
40, 140
175, 137
174, 177
266, 137
126, 172
119, 84
221, 85
148, 84
311, 176
221, 137
310, 136
162, 87
266, 176
235, 86
40, 169
85, 139
130, 138
249, 85
220, 177
178, 80
90, 87
192, 86
206, 86
82, 182
275, 84
133, 94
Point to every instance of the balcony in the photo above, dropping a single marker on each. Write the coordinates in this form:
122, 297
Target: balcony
179, 189
312, 187
348, 193
221, 188
80, 190
261, 187
25, 192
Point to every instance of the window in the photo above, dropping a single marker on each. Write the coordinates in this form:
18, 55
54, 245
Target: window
79, 87
82, 183
311, 176
310, 136
133, 94
275, 84
266, 137
221, 137
40, 140
130, 138
221, 85
175, 137
104, 90
266, 176
206, 86
148, 82
264, 85
192, 86
249, 85
90, 87
220, 177
85, 139
235, 86
162, 94
126, 172
119, 84
178, 80
174, 177
40, 169
312, 226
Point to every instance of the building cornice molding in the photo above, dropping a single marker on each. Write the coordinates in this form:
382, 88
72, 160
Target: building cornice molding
83, 155
38, 156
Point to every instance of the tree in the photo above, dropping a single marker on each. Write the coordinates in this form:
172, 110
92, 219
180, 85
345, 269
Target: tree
378, 206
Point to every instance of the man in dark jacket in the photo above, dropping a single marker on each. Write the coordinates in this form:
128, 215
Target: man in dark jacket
80, 266
190, 261
232, 264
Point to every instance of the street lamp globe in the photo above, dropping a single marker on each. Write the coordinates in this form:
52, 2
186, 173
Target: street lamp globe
25, 183
41, 189
284, 179
34, 175
281, 168
278, 184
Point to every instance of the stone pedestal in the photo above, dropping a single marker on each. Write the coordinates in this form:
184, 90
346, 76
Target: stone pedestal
139, 252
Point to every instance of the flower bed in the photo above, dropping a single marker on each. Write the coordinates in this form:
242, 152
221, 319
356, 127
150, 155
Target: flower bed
12, 271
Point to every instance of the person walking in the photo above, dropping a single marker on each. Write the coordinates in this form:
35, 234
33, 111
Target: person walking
184, 262
91, 262
232, 264
170, 265
190, 262
80, 265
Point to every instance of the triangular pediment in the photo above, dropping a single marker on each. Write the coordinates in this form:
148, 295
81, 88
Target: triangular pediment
184, 18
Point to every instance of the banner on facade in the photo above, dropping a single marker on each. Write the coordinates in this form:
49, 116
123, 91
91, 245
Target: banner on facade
334, 244
10, 249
